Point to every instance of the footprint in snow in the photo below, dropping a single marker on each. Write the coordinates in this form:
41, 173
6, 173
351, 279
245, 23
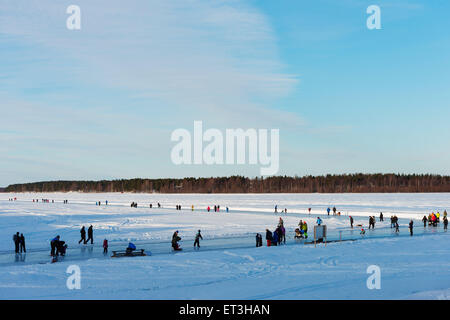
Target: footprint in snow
245, 256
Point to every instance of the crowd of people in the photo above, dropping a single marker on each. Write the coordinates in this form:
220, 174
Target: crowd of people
273, 238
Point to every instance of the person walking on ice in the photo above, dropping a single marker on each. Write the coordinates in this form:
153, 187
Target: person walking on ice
90, 235
411, 224
424, 219
83, 235
197, 239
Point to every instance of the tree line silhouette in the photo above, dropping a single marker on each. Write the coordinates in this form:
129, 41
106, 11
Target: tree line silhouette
346, 183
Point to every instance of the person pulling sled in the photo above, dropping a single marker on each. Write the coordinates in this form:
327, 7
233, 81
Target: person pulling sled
175, 239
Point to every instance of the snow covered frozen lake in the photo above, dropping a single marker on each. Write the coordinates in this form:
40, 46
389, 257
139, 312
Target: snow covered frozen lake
228, 266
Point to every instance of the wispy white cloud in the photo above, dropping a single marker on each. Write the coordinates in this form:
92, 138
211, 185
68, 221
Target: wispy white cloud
189, 55
171, 62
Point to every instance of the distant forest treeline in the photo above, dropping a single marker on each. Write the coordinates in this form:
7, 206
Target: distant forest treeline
351, 183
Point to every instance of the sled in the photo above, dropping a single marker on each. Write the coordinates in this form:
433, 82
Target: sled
137, 253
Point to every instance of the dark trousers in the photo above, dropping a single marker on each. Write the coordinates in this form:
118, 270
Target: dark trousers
90, 238
197, 243
22, 248
83, 238
105, 250
53, 249
16, 245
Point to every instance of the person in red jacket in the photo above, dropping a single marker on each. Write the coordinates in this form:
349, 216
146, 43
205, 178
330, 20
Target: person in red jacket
105, 246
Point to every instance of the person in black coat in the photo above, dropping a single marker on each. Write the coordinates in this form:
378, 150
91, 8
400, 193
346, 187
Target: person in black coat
411, 223
53, 245
22, 243
197, 239
83, 235
175, 239
16, 239
257, 240
268, 237
90, 234
424, 219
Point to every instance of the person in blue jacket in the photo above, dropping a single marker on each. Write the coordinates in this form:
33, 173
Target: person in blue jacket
53, 245
319, 221
275, 238
131, 248
328, 210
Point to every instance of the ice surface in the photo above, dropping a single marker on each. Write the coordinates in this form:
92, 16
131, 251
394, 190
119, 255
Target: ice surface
415, 267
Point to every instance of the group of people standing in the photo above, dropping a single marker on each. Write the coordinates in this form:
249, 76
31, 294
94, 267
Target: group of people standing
216, 208
334, 211
151, 205
19, 243
282, 211
278, 236
394, 222
434, 219
302, 230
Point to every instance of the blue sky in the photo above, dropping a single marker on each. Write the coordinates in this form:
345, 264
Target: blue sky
101, 102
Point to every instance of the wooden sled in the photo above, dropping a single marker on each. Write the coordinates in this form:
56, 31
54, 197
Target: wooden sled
137, 253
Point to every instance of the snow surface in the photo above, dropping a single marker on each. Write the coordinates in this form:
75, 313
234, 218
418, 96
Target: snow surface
415, 267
